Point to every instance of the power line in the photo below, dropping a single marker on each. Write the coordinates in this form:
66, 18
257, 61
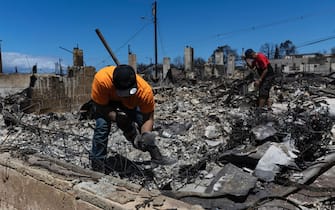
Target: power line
132, 37
267, 25
315, 42
161, 40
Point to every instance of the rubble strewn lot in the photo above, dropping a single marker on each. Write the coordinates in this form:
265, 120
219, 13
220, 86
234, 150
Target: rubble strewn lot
231, 155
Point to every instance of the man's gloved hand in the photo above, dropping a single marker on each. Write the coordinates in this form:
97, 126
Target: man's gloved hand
146, 143
143, 140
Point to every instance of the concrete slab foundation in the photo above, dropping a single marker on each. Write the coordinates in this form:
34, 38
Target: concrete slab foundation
33, 182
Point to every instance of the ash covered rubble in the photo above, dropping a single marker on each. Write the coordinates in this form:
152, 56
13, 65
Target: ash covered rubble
230, 154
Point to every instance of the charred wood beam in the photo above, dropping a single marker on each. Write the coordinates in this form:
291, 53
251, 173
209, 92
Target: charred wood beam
76, 169
85, 172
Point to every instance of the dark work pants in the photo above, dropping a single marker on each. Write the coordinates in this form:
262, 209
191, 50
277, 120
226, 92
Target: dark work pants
102, 130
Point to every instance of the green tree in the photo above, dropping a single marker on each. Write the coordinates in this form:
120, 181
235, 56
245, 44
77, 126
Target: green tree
199, 61
268, 50
178, 62
332, 50
276, 55
287, 48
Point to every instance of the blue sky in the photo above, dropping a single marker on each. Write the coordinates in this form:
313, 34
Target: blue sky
35, 31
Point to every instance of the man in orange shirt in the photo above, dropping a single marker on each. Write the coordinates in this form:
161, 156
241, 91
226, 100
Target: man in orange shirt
120, 95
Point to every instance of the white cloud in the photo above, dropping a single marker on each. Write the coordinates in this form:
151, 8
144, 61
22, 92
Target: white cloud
24, 62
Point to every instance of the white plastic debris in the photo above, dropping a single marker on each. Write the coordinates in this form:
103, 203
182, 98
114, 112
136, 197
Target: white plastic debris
211, 132
269, 165
333, 133
264, 131
278, 108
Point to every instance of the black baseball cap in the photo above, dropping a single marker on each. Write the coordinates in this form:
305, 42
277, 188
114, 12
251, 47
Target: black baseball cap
124, 80
249, 52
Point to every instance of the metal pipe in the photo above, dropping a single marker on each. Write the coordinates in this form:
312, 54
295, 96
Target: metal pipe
107, 47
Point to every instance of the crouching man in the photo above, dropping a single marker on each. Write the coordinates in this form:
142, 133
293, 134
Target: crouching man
120, 95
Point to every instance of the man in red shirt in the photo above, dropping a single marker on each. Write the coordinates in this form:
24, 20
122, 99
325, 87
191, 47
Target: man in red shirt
266, 75
120, 95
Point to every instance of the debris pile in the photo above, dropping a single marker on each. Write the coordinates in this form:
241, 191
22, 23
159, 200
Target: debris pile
231, 155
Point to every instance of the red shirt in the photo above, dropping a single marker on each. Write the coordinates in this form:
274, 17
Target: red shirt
261, 62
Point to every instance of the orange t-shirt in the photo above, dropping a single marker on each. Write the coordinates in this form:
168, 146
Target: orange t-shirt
103, 91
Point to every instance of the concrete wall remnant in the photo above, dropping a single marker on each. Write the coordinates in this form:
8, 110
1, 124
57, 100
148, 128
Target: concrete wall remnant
13, 83
49, 92
188, 58
27, 184
57, 93
78, 57
132, 61
309, 63
166, 66
230, 64
208, 70
219, 58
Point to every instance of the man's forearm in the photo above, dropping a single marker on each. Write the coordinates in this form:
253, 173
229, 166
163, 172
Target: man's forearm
148, 122
147, 126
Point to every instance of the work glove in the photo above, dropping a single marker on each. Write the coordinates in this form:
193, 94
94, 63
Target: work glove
146, 143
144, 140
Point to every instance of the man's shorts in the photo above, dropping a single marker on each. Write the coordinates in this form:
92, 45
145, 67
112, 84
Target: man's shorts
265, 86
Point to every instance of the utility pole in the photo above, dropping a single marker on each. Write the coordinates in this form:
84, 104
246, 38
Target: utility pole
154, 11
0, 58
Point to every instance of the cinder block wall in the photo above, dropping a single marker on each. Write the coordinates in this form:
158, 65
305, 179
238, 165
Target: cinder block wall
20, 191
53, 93
12, 83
